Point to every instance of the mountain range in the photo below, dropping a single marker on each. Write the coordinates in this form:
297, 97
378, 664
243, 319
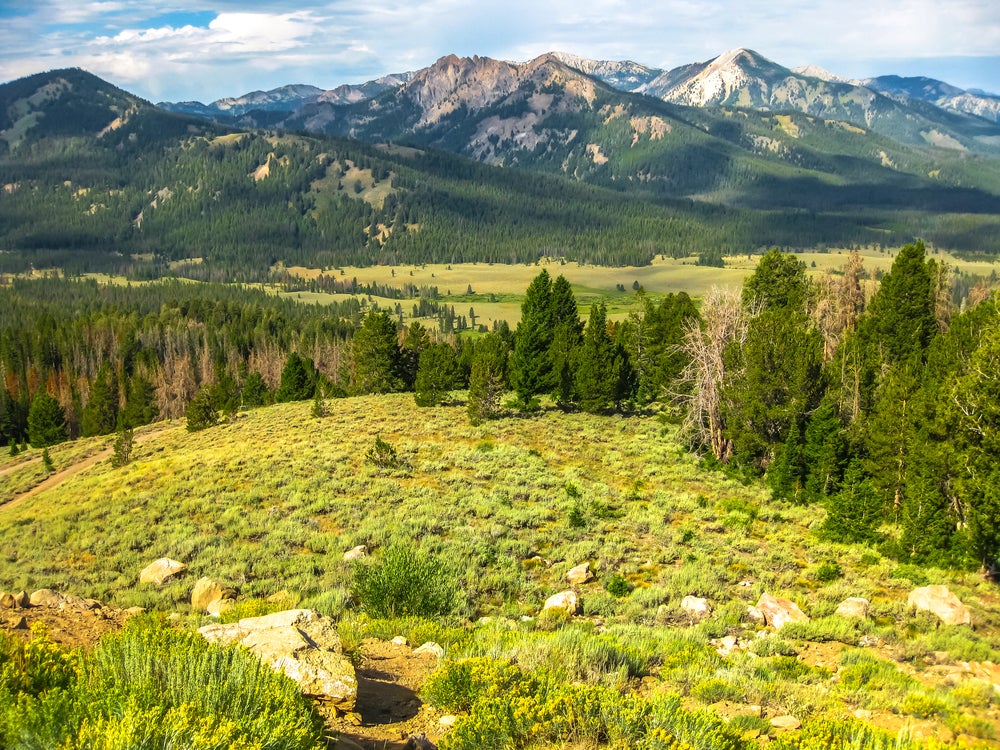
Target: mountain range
602, 161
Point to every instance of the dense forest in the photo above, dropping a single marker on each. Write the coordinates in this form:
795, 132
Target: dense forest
882, 407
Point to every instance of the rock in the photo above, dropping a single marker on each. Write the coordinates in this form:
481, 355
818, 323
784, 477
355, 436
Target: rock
303, 645
580, 574
400, 640
356, 553
21, 600
863, 713
430, 647
162, 570
133, 611
755, 615
18, 622
447, 721
778, 612
7, 600
343, 743
279, 596
567, 600
696, 607
785, 723
855, 607
940, 602
207, 591
45, 598
726, 645
219, 606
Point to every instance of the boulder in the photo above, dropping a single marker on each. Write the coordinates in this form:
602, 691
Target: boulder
567, 600
207, 591
219, 606
939, 601
696, 607
45, 598
785, 723
356, 553
854, 607
430, 647
580, 574
162, 570
6, 601
300, 643
755, 615
21, 600
778, 612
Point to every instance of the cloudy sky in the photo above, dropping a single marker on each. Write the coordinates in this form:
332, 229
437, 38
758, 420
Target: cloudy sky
206, 49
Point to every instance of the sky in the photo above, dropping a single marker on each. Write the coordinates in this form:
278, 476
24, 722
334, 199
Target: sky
181, 50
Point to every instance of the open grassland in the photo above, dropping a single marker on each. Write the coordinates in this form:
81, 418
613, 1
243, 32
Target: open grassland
497, 288
270, 502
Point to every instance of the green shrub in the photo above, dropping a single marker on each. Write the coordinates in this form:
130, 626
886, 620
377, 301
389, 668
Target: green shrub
828, 571
403, 581
912, 573
618, 585
714, 690
575, 517
383, 455
923, 706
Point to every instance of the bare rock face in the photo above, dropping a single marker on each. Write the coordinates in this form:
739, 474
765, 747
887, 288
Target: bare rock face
161, 571
854, 607
567, 600
778, 612
206, 591
301, 644
696, 607
580, 574
939, 601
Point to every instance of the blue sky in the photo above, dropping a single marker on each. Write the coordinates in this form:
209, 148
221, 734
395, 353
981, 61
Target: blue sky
207, 49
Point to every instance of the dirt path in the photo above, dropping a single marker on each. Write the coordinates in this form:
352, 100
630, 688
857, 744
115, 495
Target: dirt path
62, 475
20, 465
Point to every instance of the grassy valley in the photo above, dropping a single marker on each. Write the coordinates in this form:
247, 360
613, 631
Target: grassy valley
271, 501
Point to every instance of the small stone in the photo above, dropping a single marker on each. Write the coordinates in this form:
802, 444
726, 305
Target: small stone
356, 553
206, 591
785, 723
7, 600
162, 570
447, 721
430, 647
579, 574
862, 713
725, 646
21, 600
219, 606
46, 598
92, 604
779, 612
419, 742
174, 617
755, 615
566, 600
399, 640
854, 607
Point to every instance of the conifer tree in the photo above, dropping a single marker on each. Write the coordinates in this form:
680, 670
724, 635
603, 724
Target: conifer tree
414, 344
854, 513
298, 380
437, 372
530, 363
100, 415
201, 412
140, 404
376, 355
46, 421
255, 391
596, 374
567, 333
487, 381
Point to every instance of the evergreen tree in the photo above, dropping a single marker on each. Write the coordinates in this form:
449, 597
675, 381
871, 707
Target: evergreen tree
140, 404
298, 380
100, 415
46, 421
416, 341
927, 528
854, 513
567, 333
779, 281
824, 452
596, 375
255, 390
487, 381
785, 474
530, 363
318, 410
122, 451
376, 355
201, 412
437, 371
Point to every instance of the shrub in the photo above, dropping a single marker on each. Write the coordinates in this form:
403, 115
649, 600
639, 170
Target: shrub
617, 585
405, 581
828, 571
201, 412
383, 455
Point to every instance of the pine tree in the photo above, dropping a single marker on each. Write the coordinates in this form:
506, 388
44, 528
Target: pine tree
100, 415
487, 382
318, 410
255, 390
779, 281
530, 363
201, 412
854, 513
140, 404
298, 380
824, 452
376, 355
437, 372
596, 376
567, 333
122, 450
414, 344
46, 421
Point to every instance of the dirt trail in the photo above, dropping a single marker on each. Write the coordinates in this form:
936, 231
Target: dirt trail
62, 475
20, 465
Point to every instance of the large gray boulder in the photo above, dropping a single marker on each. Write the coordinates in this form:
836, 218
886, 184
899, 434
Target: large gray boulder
300, 643
940, 602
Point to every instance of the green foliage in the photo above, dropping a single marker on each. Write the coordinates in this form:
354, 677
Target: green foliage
596, 375
298, 380
383, 455
47, 461
46, 421
437, 374
778, 282
828, 571
530, 363
377, 362
618, 585
201, 412
123, 447
855, 511
100, 415
255, 390
487, 379
404, 581
140, 405
147, 687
